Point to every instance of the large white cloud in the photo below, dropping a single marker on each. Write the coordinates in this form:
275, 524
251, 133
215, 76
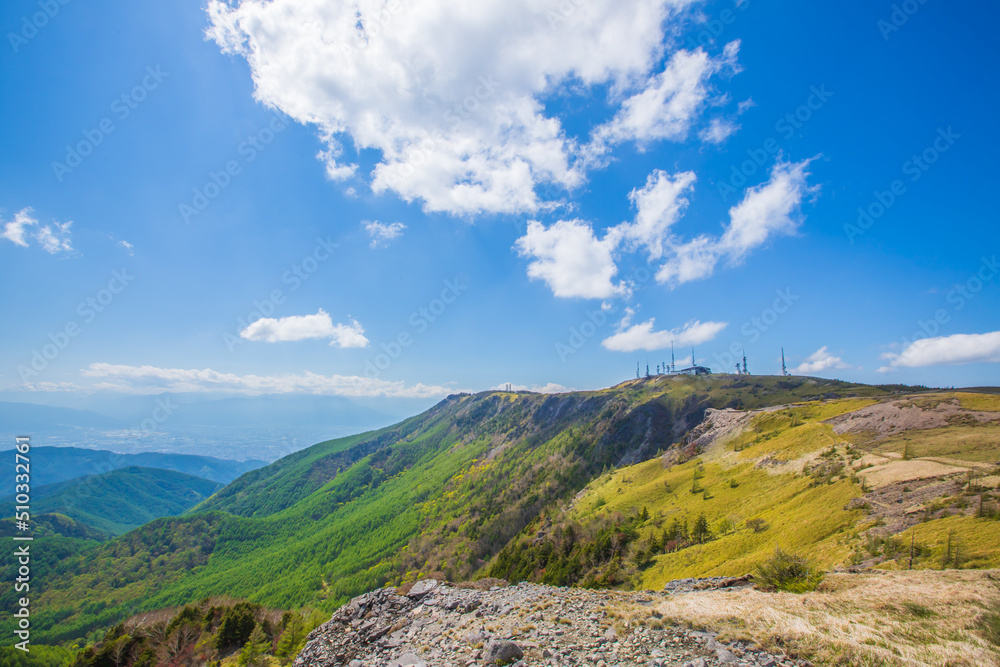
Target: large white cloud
571, 260
947, 350
305, 327
453, 96
819, 361
643, 336
150, 379
53, 239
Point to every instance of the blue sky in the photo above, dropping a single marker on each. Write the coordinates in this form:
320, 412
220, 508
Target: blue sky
422, 199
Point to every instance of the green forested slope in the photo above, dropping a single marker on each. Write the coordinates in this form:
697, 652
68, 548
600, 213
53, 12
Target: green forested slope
118, 501
444, 491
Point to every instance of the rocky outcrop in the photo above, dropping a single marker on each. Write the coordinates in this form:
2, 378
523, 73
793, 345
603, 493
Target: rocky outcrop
437, 624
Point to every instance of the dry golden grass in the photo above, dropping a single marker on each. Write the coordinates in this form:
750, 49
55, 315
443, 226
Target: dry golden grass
904, 471
918, 618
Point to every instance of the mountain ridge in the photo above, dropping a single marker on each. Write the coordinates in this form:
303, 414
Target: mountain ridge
444, 490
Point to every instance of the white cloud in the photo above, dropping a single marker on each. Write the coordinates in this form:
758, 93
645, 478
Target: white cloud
718, 131
382, 233
947, 350
659, 204
571, 260
643, 336
54, 238
452, 97
305, 327
152, 380
819, 361
14, 230
766, 210
669, 102
128, 246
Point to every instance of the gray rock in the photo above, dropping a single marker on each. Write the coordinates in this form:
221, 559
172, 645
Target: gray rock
767, 661
477, 637
724, 655
355, 663
422, 587
408, 660
502, 652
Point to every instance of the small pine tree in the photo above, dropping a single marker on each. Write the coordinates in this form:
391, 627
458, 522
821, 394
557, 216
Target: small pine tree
700, 531
253, 651
293, 637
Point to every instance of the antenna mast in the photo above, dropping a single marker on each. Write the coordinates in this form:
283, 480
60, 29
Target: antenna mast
784, 371
745, 371
673, 366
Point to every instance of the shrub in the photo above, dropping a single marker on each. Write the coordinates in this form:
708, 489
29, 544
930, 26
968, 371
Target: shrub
786, 572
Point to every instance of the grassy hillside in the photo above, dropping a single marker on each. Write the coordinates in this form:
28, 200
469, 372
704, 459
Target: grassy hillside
445, 491
120, 500
845, 482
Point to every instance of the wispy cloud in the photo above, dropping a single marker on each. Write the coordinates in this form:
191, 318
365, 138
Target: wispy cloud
151, 380
767, 210
381, 233
53, 239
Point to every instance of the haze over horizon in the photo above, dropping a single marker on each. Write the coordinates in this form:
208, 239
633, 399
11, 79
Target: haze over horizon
257, 199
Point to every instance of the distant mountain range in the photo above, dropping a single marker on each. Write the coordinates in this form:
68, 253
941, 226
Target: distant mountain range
118, 501
50, 465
